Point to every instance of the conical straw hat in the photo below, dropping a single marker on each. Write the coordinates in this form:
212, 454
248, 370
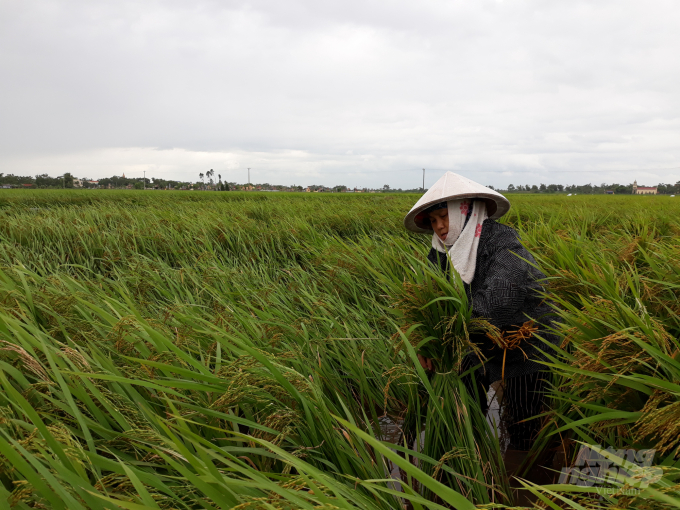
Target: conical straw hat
454, 187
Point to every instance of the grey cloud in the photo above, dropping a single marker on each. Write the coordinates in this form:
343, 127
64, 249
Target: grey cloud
513, 90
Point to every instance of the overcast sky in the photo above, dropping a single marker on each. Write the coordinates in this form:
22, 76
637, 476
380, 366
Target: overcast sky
355, 92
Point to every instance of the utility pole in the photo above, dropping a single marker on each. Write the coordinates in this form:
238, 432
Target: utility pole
423, 179
249, 176
144, 180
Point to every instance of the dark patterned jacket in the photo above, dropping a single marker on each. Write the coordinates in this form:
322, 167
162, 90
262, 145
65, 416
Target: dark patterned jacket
507, 291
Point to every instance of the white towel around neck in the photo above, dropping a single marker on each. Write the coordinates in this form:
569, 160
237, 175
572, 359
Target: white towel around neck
461, 243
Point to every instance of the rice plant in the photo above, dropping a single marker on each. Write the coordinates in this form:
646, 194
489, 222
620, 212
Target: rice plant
241, 350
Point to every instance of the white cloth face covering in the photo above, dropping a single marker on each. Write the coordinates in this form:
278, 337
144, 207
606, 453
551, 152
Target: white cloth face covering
462, 240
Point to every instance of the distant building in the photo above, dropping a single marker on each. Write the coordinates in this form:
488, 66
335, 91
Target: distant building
77, 183
608, 192
643, 190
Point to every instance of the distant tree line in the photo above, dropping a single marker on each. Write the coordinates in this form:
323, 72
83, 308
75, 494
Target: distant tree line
588, 189
42, 181
45, 181
208, 182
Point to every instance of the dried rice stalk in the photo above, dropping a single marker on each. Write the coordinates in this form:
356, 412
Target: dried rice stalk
511, 340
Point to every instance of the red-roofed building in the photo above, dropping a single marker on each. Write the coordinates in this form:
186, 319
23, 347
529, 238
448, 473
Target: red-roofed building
643, 190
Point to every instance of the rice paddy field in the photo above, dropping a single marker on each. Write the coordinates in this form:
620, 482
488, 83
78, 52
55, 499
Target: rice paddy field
177, 350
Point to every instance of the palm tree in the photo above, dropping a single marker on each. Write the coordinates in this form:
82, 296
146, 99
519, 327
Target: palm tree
219, 176
201, 176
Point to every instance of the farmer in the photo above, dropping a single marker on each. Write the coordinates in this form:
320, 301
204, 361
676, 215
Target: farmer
503, 287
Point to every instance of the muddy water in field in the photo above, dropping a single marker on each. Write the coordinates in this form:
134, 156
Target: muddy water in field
391, 431
493, 416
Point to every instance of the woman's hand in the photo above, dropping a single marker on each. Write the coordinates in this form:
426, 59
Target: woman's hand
426, 363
